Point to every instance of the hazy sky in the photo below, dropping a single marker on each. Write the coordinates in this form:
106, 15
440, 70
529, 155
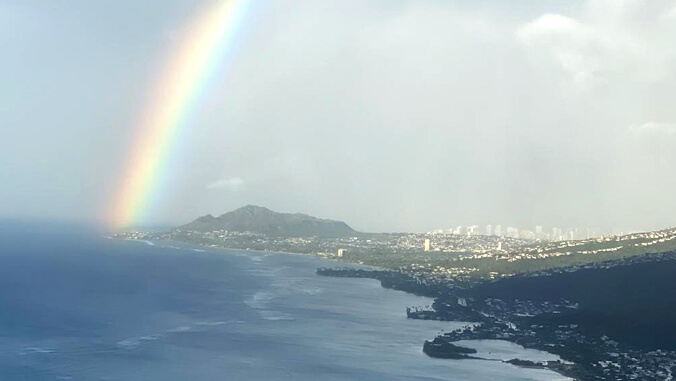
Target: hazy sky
387, 114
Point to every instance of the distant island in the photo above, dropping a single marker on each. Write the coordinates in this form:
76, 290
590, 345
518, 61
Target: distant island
257, 219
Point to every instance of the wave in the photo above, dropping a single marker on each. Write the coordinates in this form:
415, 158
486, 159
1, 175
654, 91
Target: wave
133, 342
180, 328
215, 323
293, 285
260, 302
172, 247
35, 350
312, 290
275, 315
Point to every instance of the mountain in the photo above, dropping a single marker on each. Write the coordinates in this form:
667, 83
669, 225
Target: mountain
258, 219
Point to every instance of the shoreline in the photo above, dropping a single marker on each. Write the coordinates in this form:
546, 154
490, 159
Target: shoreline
557, 366
552, 366
275, 252
524, 364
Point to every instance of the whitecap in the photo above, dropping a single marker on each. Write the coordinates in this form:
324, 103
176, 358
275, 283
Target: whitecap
275, 315
136, 341
259, 300
35, 350
180, 328
215, 323
313, 290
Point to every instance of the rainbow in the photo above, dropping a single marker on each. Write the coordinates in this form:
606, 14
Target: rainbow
179, 88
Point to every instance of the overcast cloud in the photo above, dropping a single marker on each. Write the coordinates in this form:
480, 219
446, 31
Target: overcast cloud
389, 115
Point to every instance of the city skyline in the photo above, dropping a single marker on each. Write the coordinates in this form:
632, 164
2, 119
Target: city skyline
535, 232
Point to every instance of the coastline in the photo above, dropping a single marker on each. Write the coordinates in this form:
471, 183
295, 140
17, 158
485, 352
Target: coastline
520, 363
560, 366
274, 252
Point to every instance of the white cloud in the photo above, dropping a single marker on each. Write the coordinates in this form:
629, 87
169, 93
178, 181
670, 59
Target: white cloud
671, 15
571, 44
654, 129
610, 40
233, 184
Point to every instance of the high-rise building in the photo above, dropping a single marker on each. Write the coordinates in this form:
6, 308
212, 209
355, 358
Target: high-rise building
526, 234
499, 245
512, 232
538, 232
498, 230
489, 230
427, 244
557, 234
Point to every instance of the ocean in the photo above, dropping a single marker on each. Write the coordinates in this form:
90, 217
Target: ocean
77, 306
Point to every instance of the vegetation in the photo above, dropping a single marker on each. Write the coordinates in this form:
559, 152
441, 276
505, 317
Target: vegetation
262, 220
633, 303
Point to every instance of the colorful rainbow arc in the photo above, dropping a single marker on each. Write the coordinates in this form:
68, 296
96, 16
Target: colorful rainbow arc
180, 86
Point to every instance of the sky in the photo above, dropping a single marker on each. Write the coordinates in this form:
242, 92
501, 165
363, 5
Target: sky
391, 115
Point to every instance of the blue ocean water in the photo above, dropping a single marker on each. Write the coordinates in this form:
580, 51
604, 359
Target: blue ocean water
77, 306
